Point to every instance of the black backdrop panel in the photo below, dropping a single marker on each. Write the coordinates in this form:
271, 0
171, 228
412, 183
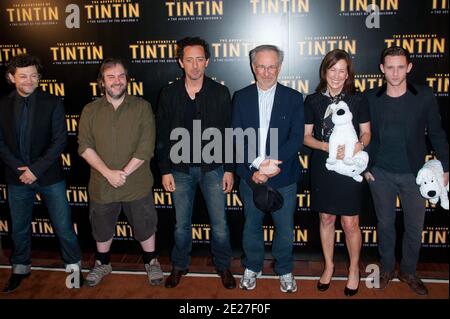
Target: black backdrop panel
73, 37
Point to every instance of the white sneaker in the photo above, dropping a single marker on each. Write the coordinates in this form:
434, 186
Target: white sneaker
287, 283
248, 280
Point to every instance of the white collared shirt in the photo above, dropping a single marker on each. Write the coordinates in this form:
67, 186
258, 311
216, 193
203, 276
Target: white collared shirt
265, 102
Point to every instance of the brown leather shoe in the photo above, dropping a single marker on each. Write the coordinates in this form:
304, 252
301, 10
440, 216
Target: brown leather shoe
228, 280
385, 277
174, 278
414, 283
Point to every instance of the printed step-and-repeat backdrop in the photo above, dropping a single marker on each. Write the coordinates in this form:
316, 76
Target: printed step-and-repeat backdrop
73, 37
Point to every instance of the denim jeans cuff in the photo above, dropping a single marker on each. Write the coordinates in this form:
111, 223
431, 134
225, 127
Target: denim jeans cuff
21, 269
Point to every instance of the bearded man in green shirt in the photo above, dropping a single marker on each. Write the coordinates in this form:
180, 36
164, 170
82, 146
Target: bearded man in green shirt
117, 139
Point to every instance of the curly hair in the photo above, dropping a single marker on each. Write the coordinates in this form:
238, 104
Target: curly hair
22, 61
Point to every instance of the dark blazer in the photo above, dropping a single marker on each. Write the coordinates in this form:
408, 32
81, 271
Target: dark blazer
47, 135
287, 116
423, 116
213, 103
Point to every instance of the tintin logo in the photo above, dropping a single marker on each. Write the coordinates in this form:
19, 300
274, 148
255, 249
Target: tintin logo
161, 198
112, 11
304, 162
7, 51
261, 7
3, 193
368, 235
4, 227
124, 231
295, 82
134, 87
368, 81
439, 6
234, 202
228, 50
72, 124
439, 84
300, 236
66, 161
76, 53
77, 196
153, 51
435, 237
359, 7
194, 10
42, 227
52, 86
420, 45
304, 201
32, 14
201, 233
316, 47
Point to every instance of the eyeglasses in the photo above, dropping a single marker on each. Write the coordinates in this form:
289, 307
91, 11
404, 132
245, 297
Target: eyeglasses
263, 68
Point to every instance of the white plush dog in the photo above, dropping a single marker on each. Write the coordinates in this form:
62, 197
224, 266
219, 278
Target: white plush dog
430, 179
360, 161
343, 133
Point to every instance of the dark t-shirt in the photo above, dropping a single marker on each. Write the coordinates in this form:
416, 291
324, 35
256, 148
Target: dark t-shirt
392, 155
191, 114
316, 105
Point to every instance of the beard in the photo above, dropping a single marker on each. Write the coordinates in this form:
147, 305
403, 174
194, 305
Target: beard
118, 95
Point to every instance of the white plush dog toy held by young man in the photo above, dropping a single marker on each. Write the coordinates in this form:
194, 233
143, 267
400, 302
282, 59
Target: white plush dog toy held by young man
431, 182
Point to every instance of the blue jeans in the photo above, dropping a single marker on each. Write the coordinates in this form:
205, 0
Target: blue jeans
253, 236
384, 193
21, 199
183, 197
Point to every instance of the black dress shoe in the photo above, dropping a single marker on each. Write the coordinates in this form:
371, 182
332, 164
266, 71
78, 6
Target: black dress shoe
228, 280
14, 282
324, 287
174, 278
351, 292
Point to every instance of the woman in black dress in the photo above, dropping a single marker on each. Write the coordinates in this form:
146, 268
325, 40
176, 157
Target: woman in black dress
333, 194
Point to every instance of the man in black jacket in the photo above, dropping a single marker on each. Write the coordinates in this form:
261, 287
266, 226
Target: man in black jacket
195, 105
401, 113
32, 137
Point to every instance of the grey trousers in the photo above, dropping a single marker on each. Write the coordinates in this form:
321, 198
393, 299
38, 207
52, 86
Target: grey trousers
384, 193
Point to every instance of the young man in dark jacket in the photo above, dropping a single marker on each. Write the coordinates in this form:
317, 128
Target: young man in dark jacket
402, 115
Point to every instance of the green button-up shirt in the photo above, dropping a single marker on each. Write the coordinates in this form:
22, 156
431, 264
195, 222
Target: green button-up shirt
117, 136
